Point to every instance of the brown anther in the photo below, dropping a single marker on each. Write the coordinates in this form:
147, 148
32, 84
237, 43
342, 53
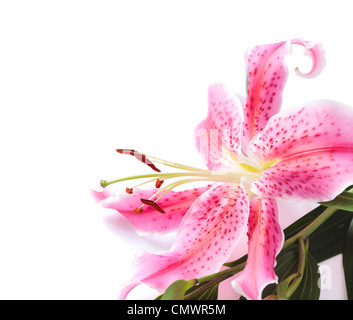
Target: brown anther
131, 152
129, 190
159, 183
139, 156
138, 210
152, 204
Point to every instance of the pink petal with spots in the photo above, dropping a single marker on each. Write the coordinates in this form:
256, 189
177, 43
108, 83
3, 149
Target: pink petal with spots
315, 176
267, 75
265, 242
218, 135
205, 239
315, 126
175, 204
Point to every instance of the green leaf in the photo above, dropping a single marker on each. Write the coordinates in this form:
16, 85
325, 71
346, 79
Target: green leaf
287, 287
348, 260
236, 262
343, 201
176, 291
287, 263
287, 266
283, 288
325, 242
328, 240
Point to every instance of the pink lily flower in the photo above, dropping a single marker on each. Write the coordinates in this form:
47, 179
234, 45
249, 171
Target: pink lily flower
254, 156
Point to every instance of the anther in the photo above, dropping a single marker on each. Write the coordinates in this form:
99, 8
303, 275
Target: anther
159, 183
131, 152
129, 190
138, 210
152, 204
139, 156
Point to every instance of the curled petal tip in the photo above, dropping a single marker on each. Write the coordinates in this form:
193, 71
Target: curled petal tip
316, 52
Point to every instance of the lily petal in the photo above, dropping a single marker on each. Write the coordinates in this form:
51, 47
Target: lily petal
205, 240
308, 152
267, 75
266, 78
312, 127
317, 54
265, 242
101, 194
218, 136
317, 176
126, 288
175, 204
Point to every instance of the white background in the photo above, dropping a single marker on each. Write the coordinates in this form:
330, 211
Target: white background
79, 79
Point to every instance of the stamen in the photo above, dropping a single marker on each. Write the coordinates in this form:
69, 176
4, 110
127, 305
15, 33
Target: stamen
173, 185
105, 183
193, 175
159, 183
176, 165
152, 204
142, 157
139, 156
143, 183
221, 176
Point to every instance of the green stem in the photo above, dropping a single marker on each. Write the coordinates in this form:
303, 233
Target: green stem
211, 280
303, 243
227, 272
309, 229
203, 287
